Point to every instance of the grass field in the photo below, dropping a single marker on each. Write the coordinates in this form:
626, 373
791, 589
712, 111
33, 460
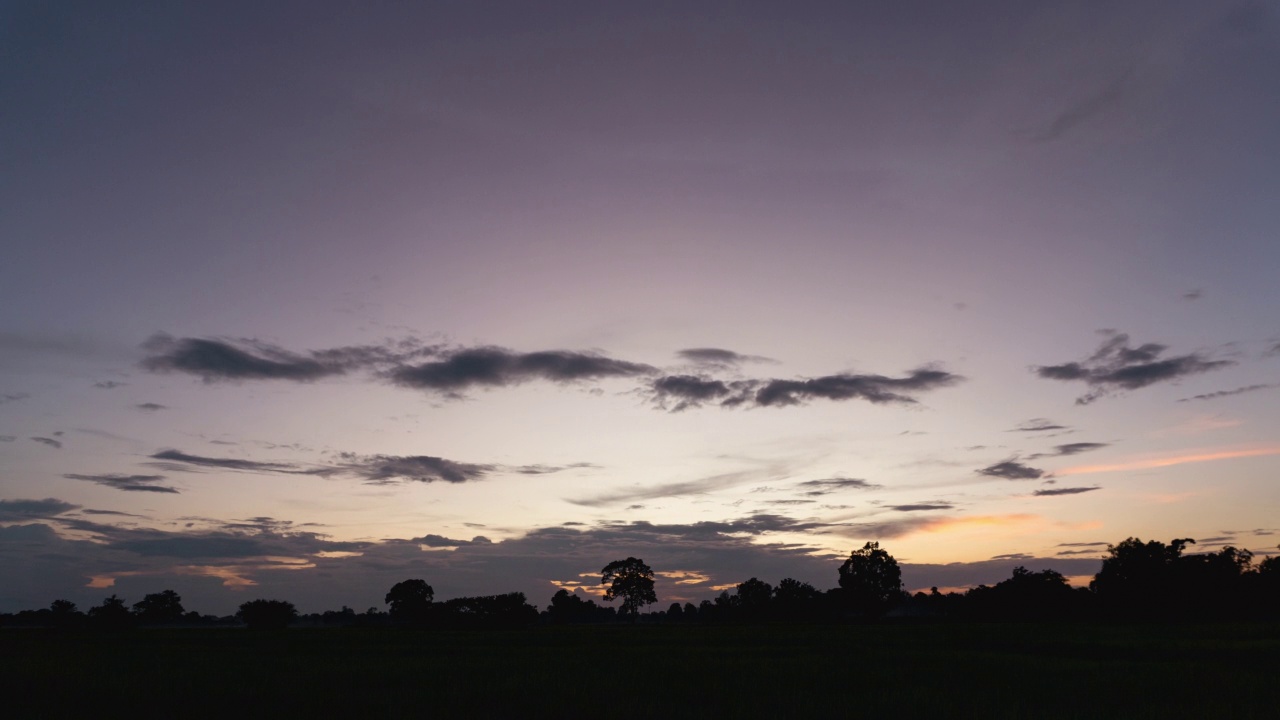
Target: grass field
972, 670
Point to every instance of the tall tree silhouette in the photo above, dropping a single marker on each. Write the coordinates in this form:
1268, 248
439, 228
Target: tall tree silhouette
632, 581
870, 579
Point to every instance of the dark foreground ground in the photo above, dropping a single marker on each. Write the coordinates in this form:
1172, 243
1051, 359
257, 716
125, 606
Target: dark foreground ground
939, 671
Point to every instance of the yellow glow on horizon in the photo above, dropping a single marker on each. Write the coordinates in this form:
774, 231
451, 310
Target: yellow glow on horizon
1158, 462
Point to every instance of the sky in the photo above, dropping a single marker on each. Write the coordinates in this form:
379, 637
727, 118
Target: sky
302, 299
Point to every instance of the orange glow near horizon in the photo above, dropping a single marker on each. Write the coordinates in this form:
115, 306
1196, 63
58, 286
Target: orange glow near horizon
1169, 461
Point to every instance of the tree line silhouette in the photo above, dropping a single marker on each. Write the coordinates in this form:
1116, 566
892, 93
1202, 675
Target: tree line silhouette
1138, 581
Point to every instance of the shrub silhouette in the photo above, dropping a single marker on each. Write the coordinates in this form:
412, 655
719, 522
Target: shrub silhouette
267, 614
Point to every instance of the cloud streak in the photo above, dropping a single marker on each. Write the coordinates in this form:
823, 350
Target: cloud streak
1051, 492
127, 483
1169, 461
460, 370
1229, 393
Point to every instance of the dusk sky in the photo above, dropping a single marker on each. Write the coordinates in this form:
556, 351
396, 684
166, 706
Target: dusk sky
302, 299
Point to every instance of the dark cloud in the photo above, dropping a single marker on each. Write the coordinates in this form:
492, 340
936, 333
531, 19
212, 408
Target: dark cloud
1193, 295
1070, 449
1229, 393
128, 483
225, 359
1038, 425
1012, 556
13, 397
922, 506
1078, 552
1117, 366
1084, 544
1049, 492
8, 438
87, 511
151, 407
679, 392
1012, 470
717, 357
387, 469
17, 510
499, 367
109, 384
372, 469
177, 460
789, 502
815, 488
57, 444
438, 541
872, 388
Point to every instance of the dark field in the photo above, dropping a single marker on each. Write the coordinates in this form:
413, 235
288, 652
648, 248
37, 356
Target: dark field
972, 670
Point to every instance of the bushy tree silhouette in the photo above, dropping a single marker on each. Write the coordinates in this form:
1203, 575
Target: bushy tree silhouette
267, 614
870, 580
111, 614
410, 601
159, 608
632, 581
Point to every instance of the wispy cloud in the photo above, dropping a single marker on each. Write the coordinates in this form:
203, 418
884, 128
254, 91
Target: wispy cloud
1039, 425
1070, 449
1171, 460
1229, 393
1117, 366
1050, 492
18, 510
815, 488
719, 358
55, 444
679, 489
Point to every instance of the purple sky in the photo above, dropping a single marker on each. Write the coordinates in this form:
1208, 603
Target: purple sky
302, 299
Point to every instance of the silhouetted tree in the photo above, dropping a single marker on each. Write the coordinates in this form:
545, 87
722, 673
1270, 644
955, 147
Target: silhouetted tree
267, 614
158, 608
870, 580
795, 600
632, 581
111, 614
509, 610
675, 613
64, 614
754, 597
570, 607
410, 600
1026, 595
